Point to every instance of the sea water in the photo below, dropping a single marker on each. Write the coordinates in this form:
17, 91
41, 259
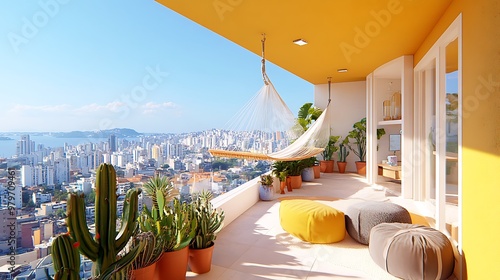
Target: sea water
8, 147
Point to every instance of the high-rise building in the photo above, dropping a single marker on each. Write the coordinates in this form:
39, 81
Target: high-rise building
112, 143
25, 146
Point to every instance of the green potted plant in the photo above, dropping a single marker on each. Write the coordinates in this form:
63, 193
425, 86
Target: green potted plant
294, 172
266, 190
176, 232
169, 220
358, 137
279, 170
209, 222
343, 153
327, 163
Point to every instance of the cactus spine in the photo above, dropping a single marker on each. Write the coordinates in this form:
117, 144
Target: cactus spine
103, 249
65, 258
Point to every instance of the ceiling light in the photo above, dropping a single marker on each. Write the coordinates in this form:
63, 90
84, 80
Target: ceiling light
342, 70
300, 42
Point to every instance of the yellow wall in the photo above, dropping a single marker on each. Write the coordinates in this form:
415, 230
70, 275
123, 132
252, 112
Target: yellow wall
481, 131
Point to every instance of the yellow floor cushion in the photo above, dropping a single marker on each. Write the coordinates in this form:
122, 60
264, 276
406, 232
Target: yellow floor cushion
312, 221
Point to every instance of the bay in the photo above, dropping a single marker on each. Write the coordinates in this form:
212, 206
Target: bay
8, 147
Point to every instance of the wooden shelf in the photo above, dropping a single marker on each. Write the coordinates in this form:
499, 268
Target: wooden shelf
390, 171
391, 122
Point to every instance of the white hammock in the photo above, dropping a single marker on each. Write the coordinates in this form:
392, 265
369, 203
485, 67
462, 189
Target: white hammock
267, 112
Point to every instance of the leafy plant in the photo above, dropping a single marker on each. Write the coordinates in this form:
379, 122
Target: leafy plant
307, 115
358, 136
279, 170
294, 167
330, 148
209, 220
159, 188
266, 180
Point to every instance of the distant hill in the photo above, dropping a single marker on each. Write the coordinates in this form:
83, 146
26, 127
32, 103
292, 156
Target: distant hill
118, 132
3, 138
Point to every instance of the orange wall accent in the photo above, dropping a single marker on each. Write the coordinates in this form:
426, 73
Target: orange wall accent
481, 131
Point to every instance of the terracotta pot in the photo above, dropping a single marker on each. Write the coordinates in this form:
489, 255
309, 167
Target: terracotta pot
289, 184
317, 171
295, 181
147, 272
361, 167
327, 165
341, 165
172, 265
282, 187
200, 260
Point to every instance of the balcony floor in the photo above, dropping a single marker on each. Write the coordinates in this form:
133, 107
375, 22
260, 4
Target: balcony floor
254, 246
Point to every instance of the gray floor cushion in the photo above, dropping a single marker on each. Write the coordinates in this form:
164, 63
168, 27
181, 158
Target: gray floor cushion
412, 251
363, 216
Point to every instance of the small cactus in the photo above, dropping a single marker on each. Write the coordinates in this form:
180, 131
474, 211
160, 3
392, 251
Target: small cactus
65, 258
343, 152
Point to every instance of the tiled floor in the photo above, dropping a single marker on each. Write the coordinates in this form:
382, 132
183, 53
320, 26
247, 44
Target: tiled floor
254, 246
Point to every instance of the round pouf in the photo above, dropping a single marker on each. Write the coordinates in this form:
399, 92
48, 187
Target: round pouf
411, 251
312, 221
363, 216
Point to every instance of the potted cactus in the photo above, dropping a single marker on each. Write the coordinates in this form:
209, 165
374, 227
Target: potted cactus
209, 223
343, 153
105, 248
176, 230
169, 220
327, 163
144, 265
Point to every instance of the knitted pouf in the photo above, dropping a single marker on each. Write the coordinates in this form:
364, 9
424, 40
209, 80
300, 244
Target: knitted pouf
411, 251
363, 216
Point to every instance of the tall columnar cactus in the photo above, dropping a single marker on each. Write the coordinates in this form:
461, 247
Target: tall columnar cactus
343, 152
65, 258
104, 248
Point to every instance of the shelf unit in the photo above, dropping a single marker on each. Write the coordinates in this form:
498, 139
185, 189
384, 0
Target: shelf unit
395, 75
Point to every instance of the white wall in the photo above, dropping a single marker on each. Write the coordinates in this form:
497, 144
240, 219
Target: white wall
348, 104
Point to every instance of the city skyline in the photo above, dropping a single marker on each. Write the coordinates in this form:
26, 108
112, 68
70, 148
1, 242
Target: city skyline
78, 66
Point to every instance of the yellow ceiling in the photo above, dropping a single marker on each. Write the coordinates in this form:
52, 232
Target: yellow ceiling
357, 35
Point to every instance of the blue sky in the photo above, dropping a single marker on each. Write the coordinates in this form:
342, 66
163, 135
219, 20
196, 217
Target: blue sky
87, 65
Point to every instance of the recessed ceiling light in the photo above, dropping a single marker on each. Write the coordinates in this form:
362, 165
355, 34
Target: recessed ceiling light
300, 42
342, 70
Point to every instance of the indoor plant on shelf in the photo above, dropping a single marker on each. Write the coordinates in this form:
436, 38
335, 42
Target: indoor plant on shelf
327, 163
358, 136
209, 222
343, 153
266, 190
